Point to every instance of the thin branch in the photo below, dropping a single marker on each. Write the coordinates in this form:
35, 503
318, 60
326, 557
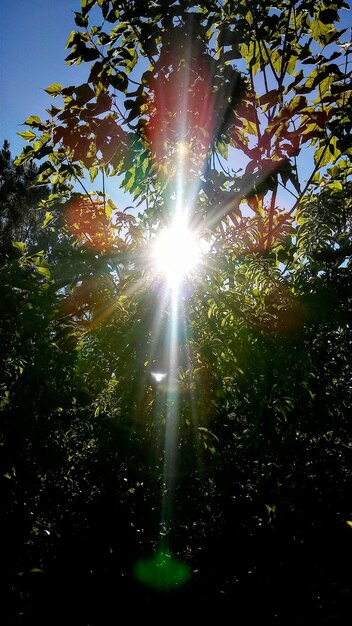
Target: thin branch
303, 192
255, 108
276, 76
289, 190
271, 219
149, 56
221, 165
284, 63
310, 179
77, 178
104, 189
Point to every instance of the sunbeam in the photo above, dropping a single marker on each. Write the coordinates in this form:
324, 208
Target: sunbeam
180, 142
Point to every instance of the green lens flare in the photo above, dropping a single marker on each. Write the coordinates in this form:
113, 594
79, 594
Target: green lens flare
162, 571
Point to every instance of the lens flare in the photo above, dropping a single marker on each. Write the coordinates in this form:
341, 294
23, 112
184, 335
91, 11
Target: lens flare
176, 253
163, 571
158, 376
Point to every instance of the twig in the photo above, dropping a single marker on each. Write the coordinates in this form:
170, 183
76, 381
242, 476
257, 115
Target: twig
271, 219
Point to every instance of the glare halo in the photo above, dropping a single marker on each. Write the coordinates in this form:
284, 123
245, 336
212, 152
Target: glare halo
176, 252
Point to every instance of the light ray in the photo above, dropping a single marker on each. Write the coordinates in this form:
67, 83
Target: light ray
180, 142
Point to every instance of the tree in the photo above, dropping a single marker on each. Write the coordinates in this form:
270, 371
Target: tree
19, 219
206, 108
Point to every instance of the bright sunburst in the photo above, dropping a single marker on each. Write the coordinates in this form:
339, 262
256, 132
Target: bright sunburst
176, 252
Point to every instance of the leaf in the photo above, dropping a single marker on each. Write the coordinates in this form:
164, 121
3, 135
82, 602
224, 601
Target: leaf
295, 82
43, 270
291, 64
93, 173
146, 77
223, 149
81, 20
86, 5
48, 218
20, 245
33, 120
322, 156
54, 89
109, 209
208, 432
130, 181
53, 111
27, 135
134, 112
111, 17
297, 104
328, 16
25, 155
335, 185
84, 93
338, 89
89, 54
119, 81
271, 97
249, 127
322, 33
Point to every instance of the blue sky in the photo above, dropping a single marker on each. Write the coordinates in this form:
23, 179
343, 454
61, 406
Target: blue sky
33, 35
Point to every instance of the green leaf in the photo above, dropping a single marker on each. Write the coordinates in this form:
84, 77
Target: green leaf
223, 150
334, 186
27, 135
130, 181
48, 217
93, 172
54, 89
86, 5
25, 155
19, 245
322, 156
73, 38
208, 432
297, 104
322, 33
43, 270
33, 120
109, 208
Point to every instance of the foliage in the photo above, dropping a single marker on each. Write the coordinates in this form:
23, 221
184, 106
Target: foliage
19, 198
220, 106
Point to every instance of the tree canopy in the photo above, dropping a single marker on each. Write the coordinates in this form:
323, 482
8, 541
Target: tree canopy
205, 423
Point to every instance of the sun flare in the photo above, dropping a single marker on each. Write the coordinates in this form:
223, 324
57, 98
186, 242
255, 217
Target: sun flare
176, 253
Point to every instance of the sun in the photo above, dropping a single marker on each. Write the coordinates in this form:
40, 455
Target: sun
176, 252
